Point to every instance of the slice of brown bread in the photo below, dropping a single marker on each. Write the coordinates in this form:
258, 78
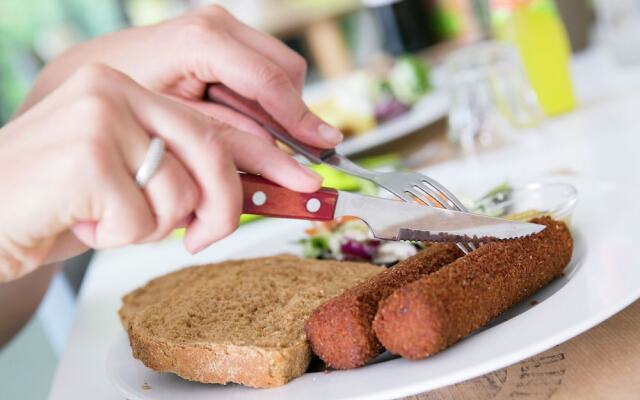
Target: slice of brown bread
155, 290
239, 321
158, 288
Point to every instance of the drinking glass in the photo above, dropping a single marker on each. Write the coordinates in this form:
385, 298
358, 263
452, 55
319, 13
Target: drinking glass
489, 94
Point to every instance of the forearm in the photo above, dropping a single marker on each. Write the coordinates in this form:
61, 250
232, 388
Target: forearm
20, 299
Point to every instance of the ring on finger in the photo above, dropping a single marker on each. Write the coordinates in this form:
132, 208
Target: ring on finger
151, 162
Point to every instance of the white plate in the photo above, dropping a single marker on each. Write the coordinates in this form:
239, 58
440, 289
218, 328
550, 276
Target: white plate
427, 110
603, 278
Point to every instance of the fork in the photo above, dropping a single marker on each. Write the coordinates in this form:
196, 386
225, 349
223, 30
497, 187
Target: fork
408, 186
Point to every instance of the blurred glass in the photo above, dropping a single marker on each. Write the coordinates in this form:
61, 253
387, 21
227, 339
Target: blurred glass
618, 28
490, 96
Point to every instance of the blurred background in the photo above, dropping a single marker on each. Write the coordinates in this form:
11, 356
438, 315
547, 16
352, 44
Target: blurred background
337, 37
410, 82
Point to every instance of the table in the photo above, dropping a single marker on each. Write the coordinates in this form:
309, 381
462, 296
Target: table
589, 366
599, 140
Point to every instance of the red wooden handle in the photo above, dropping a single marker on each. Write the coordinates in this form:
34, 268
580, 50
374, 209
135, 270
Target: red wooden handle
263, 197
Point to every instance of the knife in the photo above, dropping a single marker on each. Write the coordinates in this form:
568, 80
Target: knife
387, 219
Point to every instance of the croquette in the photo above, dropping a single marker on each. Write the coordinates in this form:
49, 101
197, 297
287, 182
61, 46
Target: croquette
340, 330
434, 312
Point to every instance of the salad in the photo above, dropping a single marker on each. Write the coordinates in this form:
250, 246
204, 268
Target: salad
349, 238
370, 97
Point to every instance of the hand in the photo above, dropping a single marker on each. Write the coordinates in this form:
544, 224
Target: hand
180, 57
67, 166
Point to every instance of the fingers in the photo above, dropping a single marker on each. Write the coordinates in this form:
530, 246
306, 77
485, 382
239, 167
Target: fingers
255, 76
127, 217
133, 215
109, 209
212, 152
199, 142
172, 193
275, 50
201, 177
215, 18
124, 215
218, 213
119, 211
230, 117
256, 156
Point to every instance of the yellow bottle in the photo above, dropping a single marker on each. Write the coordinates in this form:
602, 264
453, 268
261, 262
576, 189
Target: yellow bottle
536, 29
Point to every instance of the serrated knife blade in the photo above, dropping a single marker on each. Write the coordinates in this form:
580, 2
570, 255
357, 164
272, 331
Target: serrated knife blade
387, 219
397, 220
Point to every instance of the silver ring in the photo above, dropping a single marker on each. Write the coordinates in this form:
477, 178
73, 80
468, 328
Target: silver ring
151, 162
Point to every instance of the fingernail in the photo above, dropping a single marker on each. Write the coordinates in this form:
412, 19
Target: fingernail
330, 134
312, 174
193, 244
196, 249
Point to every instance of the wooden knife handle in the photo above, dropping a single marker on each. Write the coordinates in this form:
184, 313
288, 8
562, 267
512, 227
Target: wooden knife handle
220, 94
263, 197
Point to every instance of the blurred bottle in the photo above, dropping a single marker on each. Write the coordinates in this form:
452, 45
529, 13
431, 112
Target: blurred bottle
407, 25
536, 29
456, 19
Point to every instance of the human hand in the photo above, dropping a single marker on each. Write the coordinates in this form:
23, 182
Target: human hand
180, 57
67, 166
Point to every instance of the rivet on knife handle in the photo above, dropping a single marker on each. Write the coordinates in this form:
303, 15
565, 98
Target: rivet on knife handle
262, 197
220, 94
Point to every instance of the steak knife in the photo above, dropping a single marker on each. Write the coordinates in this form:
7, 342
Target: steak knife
387, 219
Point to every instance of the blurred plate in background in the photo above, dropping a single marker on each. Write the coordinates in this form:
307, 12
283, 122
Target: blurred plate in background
429, 109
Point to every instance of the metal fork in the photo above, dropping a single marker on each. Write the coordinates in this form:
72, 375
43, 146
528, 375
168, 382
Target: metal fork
408, 186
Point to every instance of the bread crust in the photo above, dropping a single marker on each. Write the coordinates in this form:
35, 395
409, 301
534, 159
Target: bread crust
340, 330
212, 363
434, 312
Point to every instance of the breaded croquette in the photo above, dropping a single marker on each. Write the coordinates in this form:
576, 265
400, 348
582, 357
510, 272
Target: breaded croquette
340, 330
432, 313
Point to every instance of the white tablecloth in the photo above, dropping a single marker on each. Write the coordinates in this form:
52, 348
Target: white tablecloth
601, 139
